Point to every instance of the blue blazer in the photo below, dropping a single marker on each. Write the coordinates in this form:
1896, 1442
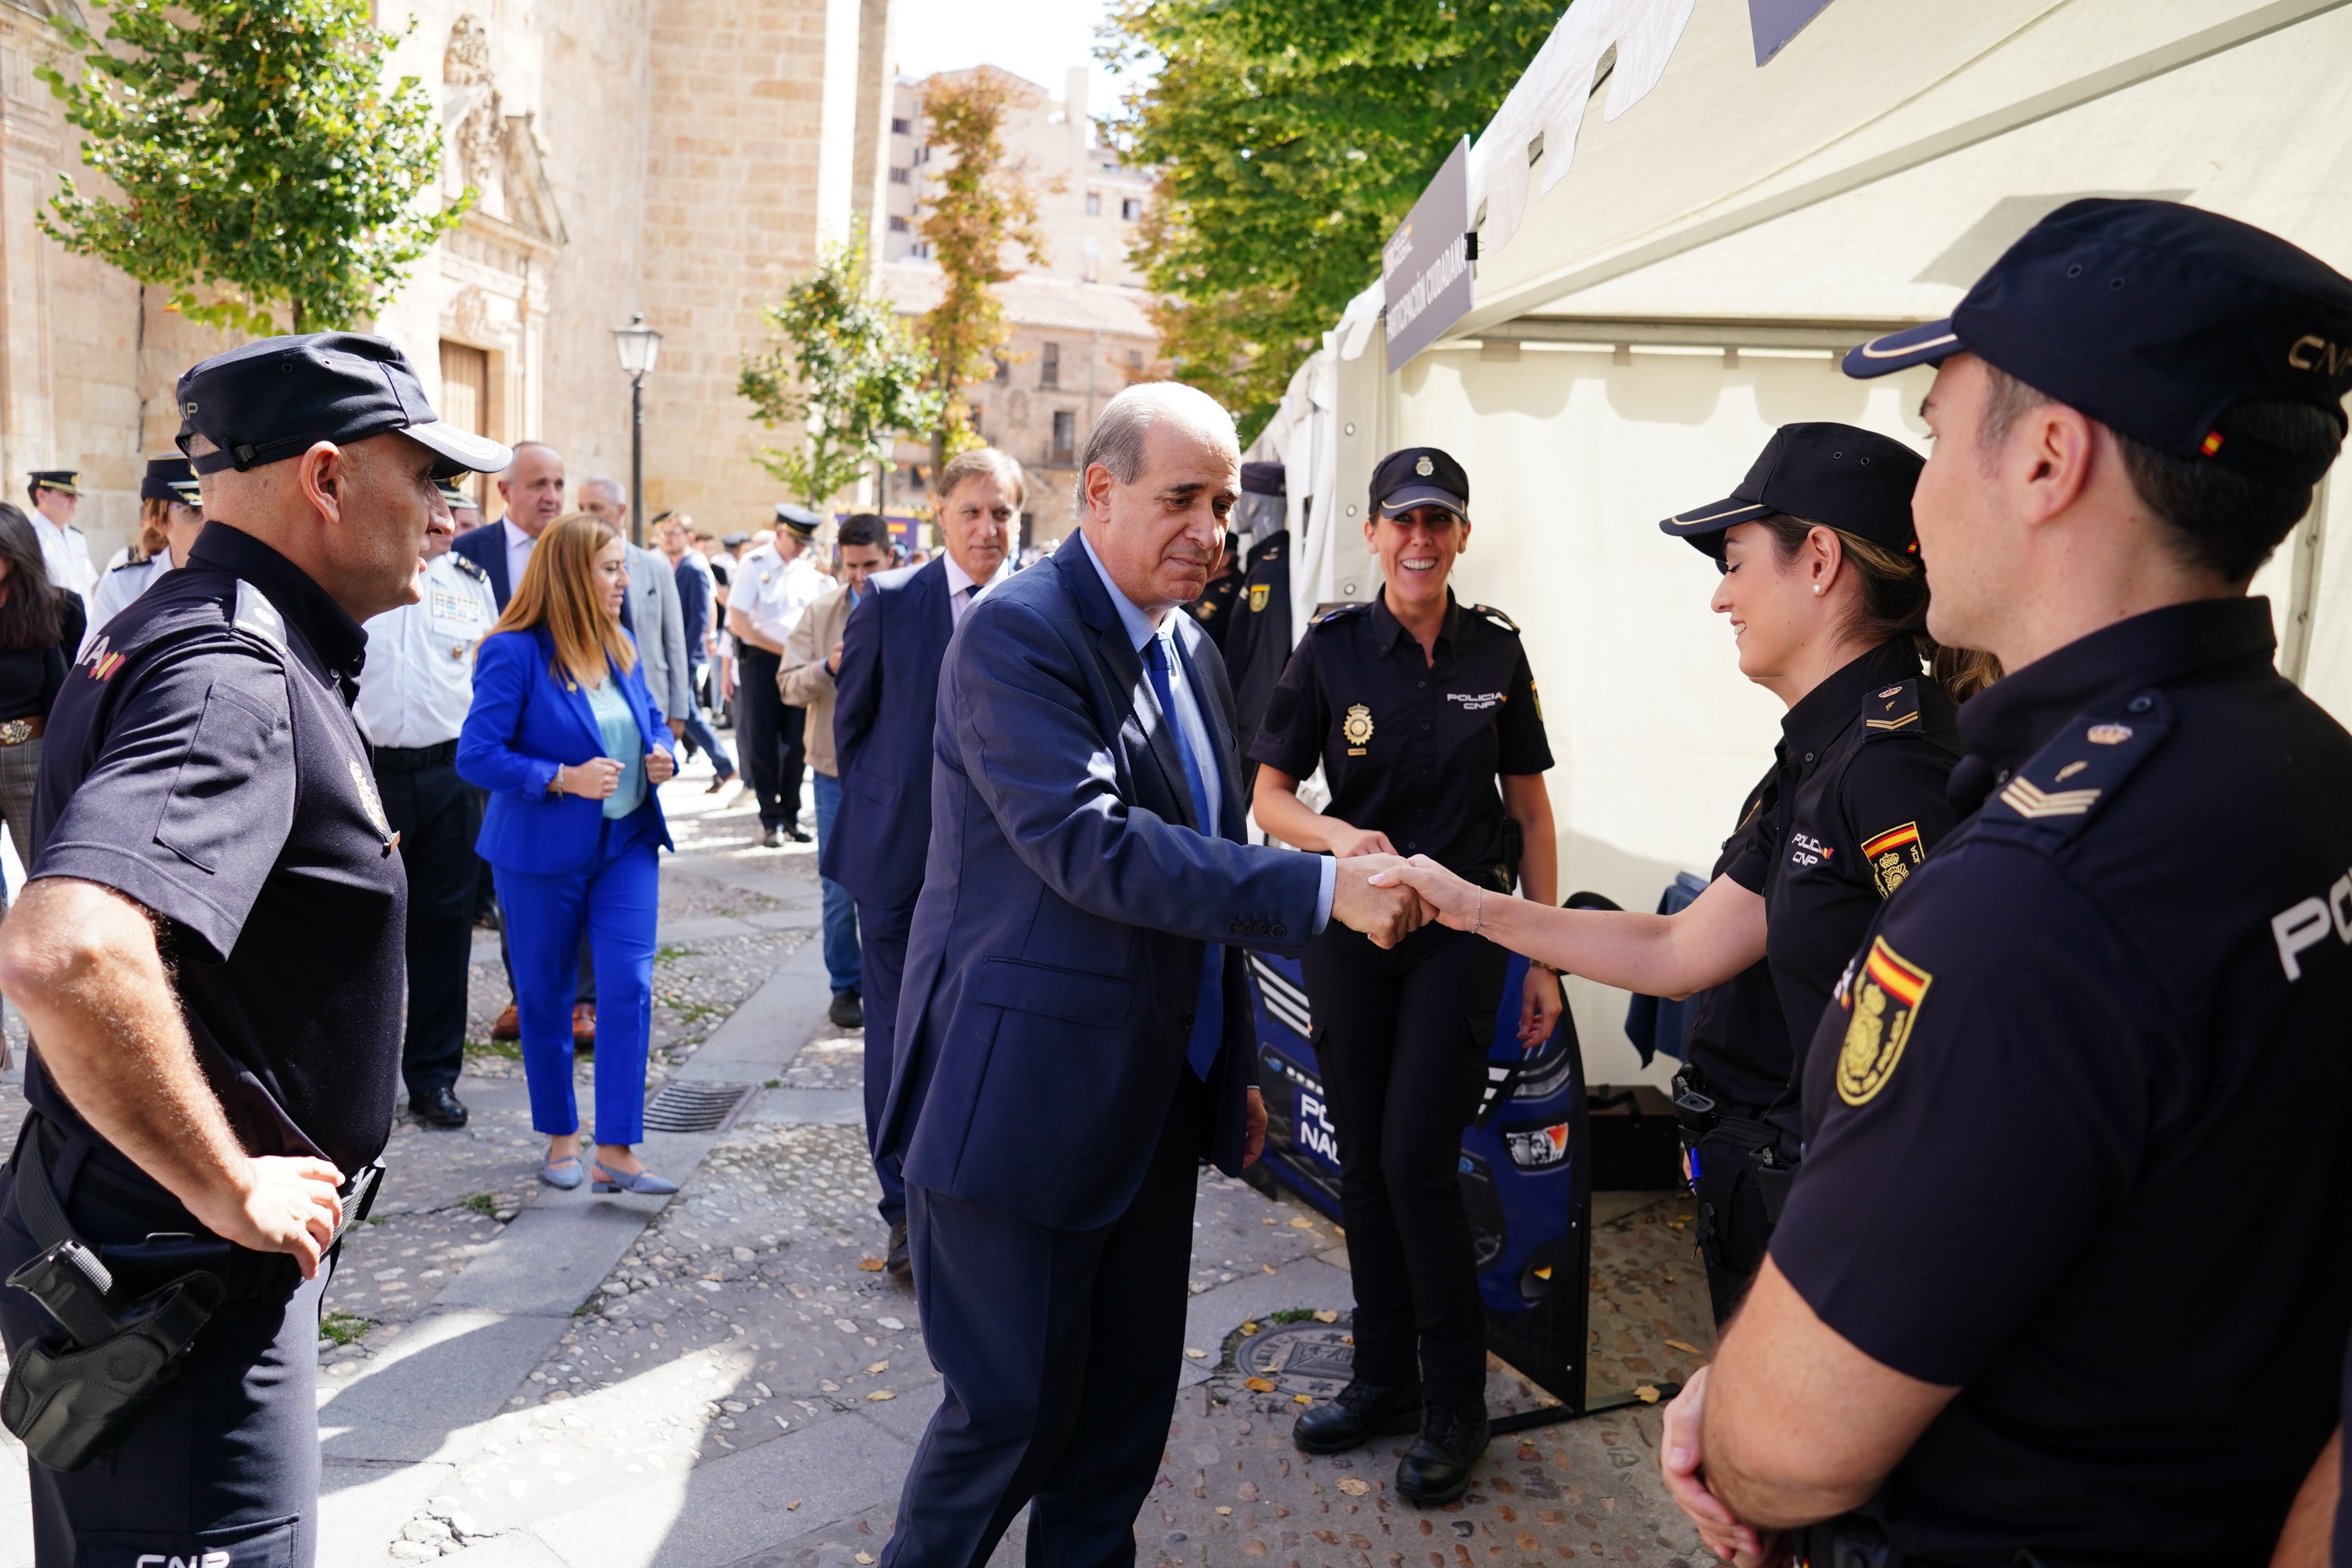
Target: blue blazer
886, 698
486, 547
527, 718
1056, 955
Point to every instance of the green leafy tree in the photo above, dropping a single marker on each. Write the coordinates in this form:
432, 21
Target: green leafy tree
260, 164
843, 366
1291, 137
980, 207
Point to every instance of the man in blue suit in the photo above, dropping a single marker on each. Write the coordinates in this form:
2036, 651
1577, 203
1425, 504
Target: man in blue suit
885, 705
1075, 1034
532, 488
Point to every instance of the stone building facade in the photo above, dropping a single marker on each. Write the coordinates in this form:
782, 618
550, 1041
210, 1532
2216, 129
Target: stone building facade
684, 159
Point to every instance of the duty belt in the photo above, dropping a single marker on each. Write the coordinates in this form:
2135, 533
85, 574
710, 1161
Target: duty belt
68, 1396
411, 759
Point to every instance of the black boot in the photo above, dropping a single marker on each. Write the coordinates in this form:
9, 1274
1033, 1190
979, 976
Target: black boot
1436, 1468
1355, 1415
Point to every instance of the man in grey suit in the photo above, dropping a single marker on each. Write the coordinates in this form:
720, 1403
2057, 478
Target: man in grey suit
651, 611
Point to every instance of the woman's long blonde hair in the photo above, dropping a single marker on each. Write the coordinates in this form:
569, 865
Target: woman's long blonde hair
559, 591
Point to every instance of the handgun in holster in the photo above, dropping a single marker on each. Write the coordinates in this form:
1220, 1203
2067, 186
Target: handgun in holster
68, 1394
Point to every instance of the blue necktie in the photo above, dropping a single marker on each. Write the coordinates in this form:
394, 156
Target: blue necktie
1209, 1008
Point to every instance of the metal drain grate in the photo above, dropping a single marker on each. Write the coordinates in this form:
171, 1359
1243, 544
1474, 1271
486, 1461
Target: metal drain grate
695, 1106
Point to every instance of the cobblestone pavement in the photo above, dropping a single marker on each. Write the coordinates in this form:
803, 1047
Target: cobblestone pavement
728, 1380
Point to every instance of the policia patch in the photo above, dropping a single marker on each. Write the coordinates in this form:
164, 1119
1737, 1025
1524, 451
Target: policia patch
1892, 855
1885, 1002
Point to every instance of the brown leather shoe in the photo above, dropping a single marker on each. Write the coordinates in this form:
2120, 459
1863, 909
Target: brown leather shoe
584, 1026
509, 1025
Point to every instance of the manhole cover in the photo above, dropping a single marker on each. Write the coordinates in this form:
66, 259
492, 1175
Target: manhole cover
1309, 1358
695, 1106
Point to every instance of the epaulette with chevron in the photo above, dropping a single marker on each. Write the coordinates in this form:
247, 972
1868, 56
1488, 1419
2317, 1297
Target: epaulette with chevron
1892, 708
2063, 785
1495, 617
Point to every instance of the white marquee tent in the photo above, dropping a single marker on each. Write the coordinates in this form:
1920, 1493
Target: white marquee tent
1675, 242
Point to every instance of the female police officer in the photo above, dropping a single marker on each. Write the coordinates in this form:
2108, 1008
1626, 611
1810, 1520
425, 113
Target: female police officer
1827, 603
1418, 708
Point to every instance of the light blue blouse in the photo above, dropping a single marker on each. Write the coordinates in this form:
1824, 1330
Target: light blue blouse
623, 743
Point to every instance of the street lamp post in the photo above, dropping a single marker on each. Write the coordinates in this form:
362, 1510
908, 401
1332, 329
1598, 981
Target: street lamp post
639, 346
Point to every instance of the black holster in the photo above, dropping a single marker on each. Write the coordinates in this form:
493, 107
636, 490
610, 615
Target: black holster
66, 1402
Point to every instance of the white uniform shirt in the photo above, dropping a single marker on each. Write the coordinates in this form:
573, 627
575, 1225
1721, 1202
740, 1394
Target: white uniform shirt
118, 588
419, 676
774, 592
67, 555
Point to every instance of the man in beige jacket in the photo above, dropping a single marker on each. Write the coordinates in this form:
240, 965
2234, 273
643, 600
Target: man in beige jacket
805, 675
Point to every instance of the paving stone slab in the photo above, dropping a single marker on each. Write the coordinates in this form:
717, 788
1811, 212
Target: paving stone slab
448, 1371
1310, 1285
705, 1516
554, 1253
810, 1107
363, 1506
763, 1034
513, 1549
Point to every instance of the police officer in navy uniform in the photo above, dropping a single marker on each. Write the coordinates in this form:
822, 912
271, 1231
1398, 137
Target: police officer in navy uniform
1258, 645
1821, 583
2063, 1279
414, 690
208, 953
1421, 713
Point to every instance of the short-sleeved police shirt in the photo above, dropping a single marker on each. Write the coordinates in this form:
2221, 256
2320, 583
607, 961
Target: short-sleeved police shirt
202, 761
1409, 748
1737, 1040
2078, 1120
1861, 766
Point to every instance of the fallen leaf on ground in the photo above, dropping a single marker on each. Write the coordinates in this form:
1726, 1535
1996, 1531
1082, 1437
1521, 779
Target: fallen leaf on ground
1267, 1266
879, 1395
1302, 1222
791, 1505
1269, 1220
879, 1366
1686, 1349
866, 1557
1327, 1316
1225, 1510
1302, 1399
1258, 1385
869, 1265
1647, 1393
1250, 1327
1354, 1486
1192, 1354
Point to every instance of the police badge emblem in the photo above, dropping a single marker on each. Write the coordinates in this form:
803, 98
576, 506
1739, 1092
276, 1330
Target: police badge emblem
1356, 729
1892, 855
370, 803
1424, 467
1883, 1007
1258, 594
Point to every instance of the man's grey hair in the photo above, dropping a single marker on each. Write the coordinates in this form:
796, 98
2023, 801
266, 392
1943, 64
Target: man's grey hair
521, 447
610, 487
1118, 439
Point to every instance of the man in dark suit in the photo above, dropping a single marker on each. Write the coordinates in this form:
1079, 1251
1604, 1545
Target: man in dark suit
884, 708
1075, 1035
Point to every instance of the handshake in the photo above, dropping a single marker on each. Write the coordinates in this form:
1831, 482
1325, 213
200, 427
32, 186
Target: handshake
1388, 898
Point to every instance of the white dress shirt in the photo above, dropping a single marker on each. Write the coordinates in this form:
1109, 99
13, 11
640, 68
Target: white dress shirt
960, 583
419, 676
118, 588
65, 553
519, 545
774, 592
1192, 726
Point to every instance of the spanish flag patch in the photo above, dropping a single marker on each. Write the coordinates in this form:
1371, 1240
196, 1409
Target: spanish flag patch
1892, 855
1886, 998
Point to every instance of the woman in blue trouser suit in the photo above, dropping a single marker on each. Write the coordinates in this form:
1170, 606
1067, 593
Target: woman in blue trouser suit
570, 746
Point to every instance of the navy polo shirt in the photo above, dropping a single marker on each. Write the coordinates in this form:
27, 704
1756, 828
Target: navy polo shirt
1857, 800
1409, 748
2079, 1116
202, 760
1738, 1038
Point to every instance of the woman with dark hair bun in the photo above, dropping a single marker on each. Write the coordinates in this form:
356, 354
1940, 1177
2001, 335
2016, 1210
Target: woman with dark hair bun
40, 628
1827, 598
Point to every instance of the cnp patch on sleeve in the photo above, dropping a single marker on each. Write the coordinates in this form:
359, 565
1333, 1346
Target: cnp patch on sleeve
1886, 1001
1892, 855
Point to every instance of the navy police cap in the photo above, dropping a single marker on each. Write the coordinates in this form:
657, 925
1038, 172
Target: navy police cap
797, 520
1856, 481
275, 398
2155, 319
169, 478
1263, 479
1419, 476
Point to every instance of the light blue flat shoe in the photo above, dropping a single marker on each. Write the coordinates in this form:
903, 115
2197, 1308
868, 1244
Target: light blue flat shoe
644, 1182
562, 1173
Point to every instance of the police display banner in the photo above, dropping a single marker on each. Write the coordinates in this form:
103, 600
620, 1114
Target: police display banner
1425, 265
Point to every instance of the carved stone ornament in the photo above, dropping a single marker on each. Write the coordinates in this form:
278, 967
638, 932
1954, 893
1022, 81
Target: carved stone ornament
479, 134
469, 316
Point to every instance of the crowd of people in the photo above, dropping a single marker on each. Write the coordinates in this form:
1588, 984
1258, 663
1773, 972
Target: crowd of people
1985, 1051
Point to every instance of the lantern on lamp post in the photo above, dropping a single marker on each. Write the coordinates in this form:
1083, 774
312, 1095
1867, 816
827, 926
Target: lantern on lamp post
639, 346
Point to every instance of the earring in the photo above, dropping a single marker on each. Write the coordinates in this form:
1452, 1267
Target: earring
1817, 588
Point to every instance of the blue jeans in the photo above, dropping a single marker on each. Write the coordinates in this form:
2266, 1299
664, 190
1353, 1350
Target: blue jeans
617, 901
698, 734
842, 966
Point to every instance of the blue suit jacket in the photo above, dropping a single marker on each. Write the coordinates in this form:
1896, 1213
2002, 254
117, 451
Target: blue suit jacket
486, 547
886, 698
527, 718
1056, 955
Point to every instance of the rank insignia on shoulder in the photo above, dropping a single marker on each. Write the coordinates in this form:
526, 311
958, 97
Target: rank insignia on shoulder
1892, 856
1339, 613
1495, 617
1895, 707
1886, 997
469, 567
2088, 760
